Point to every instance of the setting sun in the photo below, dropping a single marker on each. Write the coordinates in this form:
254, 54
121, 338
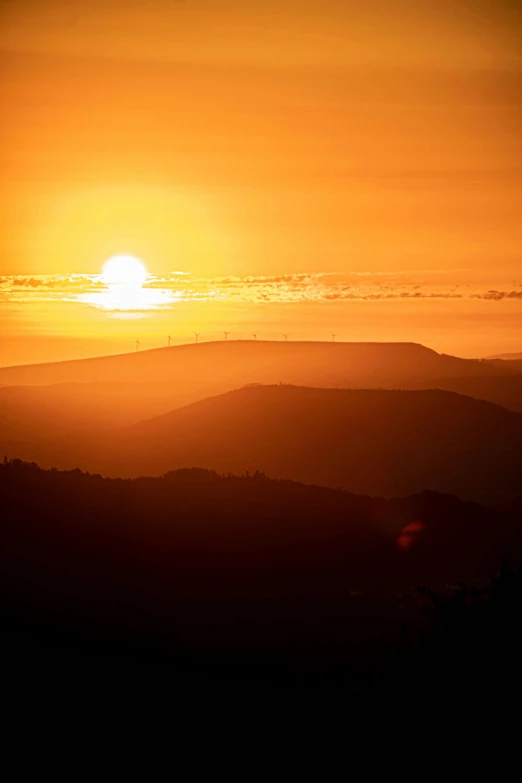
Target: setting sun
261, 355
124, 270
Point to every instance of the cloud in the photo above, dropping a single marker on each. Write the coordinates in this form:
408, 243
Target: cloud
165, 291
498, 295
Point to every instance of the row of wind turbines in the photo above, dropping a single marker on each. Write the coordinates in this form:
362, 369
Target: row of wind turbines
197, 335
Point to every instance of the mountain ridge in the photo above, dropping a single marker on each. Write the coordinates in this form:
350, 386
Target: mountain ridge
113, 368
378, 442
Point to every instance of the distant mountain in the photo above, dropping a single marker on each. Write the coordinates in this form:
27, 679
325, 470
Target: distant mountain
79, 407
507, 357
115, 391
232, 363
377, 442
504, 390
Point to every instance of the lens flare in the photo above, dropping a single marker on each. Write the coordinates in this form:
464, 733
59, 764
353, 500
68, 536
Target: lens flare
409, 536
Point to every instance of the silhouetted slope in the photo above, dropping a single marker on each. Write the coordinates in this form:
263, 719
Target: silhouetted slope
508, 357
511, 367
371, 441
194, 558
58, 425
73, 407
119, 390
236, 362
504, 390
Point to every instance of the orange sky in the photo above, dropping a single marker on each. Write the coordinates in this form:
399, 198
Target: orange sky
261, 138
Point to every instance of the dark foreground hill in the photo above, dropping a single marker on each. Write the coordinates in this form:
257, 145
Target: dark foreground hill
226, 570
388, 443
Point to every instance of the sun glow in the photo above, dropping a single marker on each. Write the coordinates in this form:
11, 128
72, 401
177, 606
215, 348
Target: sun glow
125, 271
124, 278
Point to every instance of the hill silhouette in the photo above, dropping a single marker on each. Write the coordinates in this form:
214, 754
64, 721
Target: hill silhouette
237, 361
377, 442
505, 390
355, 362
227, 568
509, 357
115, 391
80, 407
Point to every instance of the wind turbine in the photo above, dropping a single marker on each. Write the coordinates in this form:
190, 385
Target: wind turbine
285, 336
137, 345
333, 336
226, 334
169, 338
198, 335
254, 335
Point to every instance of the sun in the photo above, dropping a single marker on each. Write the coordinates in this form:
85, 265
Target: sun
124, 289
124, 270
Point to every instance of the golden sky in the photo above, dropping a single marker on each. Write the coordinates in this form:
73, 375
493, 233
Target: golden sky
261, 138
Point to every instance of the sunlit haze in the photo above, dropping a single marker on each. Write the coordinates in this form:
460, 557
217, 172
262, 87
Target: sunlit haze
300, 167
261, 349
